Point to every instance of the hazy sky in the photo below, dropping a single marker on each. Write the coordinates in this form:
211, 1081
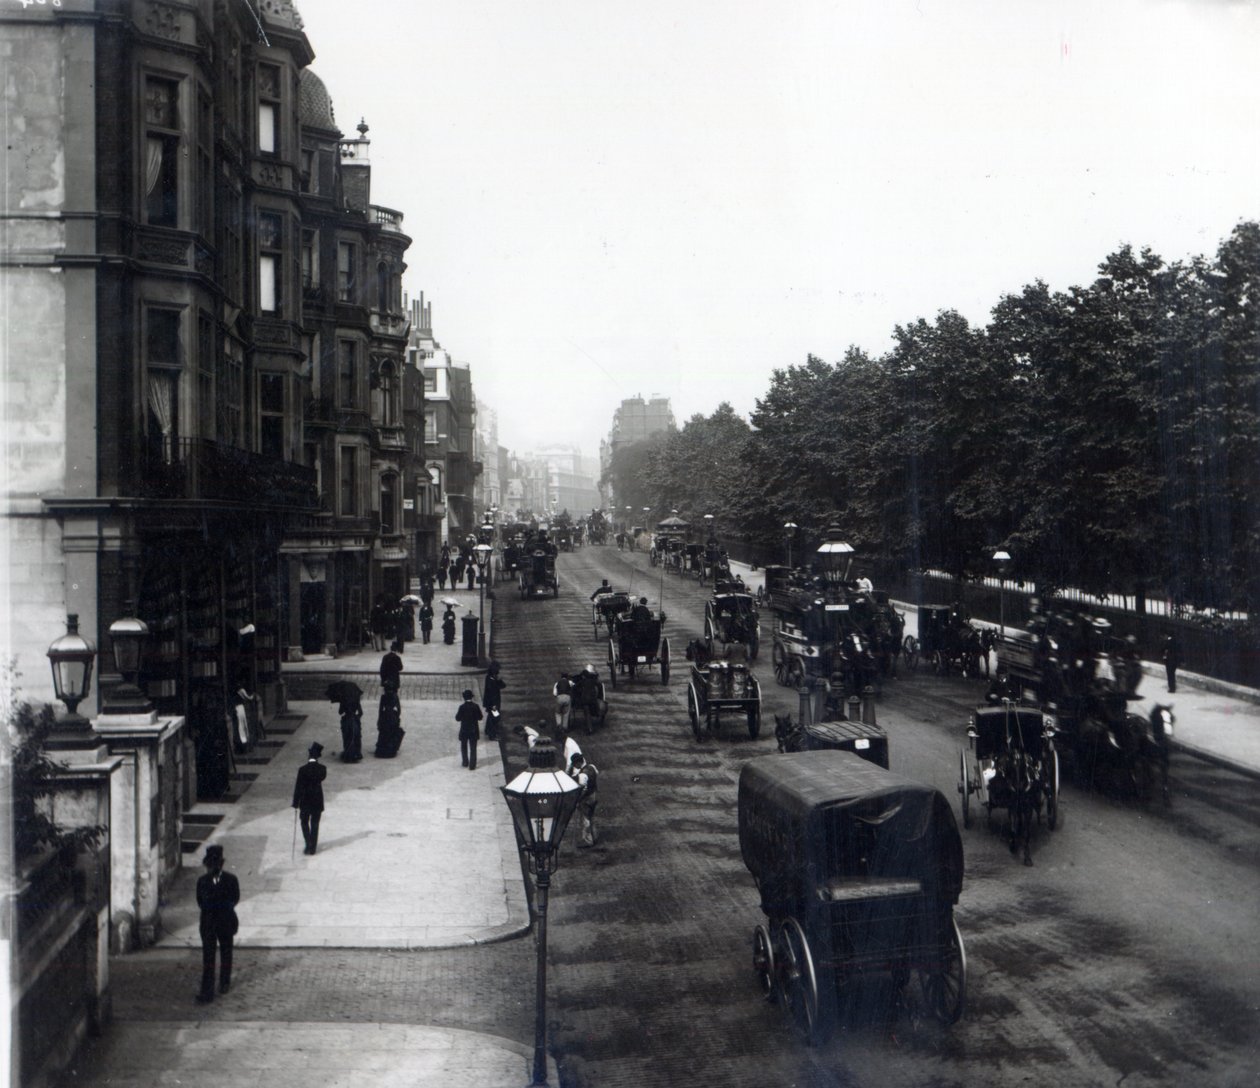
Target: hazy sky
677, 196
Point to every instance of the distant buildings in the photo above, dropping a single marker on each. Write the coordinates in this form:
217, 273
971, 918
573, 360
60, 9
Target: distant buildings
634, 421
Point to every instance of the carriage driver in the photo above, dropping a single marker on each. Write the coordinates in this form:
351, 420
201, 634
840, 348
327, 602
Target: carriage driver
641, 611
601, 589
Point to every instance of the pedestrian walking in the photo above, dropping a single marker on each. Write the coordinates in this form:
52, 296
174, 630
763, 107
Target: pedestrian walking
350, 706
426, 622
469, 716
389, 730
308, 796
586, 774
1172, 660
457, 569
218, 892
562, 691
492, 699
426, 589
472, 573
448, 626
377, 620
444, 565
391, 670
403, 625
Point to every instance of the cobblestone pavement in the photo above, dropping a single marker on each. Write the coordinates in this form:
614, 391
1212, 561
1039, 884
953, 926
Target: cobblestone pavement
311, 686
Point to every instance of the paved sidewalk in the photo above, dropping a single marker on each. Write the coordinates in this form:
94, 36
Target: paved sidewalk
415, 852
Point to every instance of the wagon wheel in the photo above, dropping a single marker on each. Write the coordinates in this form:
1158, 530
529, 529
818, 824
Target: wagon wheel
945, 986
763, 963
693, 709
910, 648
940, 663
754, 644
665, 661
798, 981
964, 785
795, 673
612, 661
555, 588
754, 713
1052, 790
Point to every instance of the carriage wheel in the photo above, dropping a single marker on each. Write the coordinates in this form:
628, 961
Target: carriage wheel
555, 588
664, 661
693, 709
964, 784
945, 987
910, 648
763, 963
754, 716
940, 663
1052, 791
798, 981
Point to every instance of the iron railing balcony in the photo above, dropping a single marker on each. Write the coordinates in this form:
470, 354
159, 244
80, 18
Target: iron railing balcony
199, 468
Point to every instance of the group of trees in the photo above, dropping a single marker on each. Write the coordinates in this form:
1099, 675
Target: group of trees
1108, 437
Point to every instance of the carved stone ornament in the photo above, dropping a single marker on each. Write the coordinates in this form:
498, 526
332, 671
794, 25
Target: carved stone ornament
271, 334
270, 173
162, 250
162, 21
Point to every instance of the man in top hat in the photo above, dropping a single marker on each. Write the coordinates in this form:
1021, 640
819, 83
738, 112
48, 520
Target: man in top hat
308, 796
218, 892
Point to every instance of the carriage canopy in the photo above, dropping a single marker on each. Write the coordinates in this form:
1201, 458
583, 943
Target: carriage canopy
999, 730
809, 819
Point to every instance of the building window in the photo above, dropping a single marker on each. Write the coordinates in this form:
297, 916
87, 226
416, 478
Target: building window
310, 260
203, 192
347, 373
385, 398
430, 427
268, 108
161, 149
430, 381
382, 287
348, 477
270, 261
231, 390
206, 355
346, 277
310, 174
271, 415
389, 503
164, 361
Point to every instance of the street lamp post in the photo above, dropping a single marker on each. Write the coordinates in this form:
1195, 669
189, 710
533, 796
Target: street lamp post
834, 555
71, 658
1002, 557
542, 800
482, 551
789, 531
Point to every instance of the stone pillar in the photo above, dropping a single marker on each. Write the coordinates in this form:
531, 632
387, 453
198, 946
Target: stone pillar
147, 821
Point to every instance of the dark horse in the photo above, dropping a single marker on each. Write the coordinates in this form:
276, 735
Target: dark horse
1125, 749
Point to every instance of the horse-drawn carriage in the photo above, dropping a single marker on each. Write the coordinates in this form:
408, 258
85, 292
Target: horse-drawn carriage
1011, 763
536, 574
717, 564
723, 686
817, 633
858, 870
730, 617
693, 561
635, 645
847, 735
1071, 664
948, 641
604, 608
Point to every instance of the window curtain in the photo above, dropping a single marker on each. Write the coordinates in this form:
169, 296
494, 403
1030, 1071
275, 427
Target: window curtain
161, 405
153, 164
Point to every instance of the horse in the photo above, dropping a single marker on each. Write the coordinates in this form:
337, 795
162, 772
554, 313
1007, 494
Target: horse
789, 735
1129, 750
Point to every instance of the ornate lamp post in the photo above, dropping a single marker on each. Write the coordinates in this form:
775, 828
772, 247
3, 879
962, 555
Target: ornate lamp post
627, 526
834, 555
127, 636
71, 658
482, 552
789, 533
1001, 557
542, 800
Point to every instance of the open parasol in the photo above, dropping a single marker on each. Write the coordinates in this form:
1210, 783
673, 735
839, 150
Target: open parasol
450, 600
411, 598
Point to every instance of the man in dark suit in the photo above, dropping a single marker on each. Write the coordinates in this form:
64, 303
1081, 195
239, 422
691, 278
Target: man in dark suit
218, 892
308, 796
